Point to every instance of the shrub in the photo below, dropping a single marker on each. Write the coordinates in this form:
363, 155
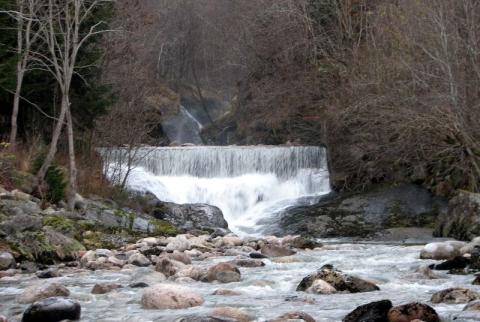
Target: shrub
54, 178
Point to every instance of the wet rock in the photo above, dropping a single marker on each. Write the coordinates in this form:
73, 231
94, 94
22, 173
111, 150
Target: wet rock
103, 253
231, 241
340, 281
192, 272
138, 285
411, 312
233, 313
53, 309
455, 295
163, 297
103, 288
226, 292
48, 273
472, 306
271, 250
321, 287
114, 260
294, 316
179, 256
257, 255
224, 273
6, 261
475, 257
169, 267
194, 318
371, 312
89, 256
190, 216
38, 292
458, 262
147, 276
3, 318
425, 272
138, 259
300, 242
29, 267
442, 250
179, 243
245, 262
476, 281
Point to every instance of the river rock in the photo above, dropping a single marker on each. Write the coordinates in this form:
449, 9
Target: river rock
233, 313
179, 243
257, 255
455, 295
224, 273
300, 242
169, 267
53, 309
371, 312
338, 280
272, 250
138, 285
164, 297
472, 306
179, 256
294, 316
321, 287
458, 262
38, 292
441, 250
48, 273
231, 241
226, 292
246, 262
103, 288
475, 258
6, 261
411, 312
193, 272
139, 259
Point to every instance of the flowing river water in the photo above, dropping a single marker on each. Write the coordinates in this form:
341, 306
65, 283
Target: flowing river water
268, 291
249, 184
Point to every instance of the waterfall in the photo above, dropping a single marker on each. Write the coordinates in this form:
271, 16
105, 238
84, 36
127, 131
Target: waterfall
248, 183
183, 128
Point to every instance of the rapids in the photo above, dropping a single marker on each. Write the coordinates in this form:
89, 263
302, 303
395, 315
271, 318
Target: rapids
390, 265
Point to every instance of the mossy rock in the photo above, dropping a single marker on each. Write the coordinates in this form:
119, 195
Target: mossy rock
59, 223
23, 181
159, 227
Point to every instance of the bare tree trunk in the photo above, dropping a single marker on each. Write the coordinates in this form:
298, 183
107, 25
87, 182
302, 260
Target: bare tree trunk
16, 104
53, 144
72, 191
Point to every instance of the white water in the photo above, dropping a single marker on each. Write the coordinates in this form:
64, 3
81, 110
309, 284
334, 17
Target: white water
183, 128
246, 183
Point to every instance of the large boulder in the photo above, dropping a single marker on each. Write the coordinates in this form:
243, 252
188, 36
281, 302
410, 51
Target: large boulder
224, 273
362, 214
455, 295
413, 311
164, 297
442, 250
462, 220
38, 292
53, 309
371, 312
340, 281
188, 216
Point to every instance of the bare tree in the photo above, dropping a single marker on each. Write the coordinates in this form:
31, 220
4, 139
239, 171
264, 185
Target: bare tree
27, 34
62, 24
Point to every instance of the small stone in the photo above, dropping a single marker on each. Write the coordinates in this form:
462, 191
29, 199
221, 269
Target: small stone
48, 273
164, 297
412, 311
168, 267
224, 273
295, 316
138, 259
472, 306
233, 313
103, 288
371, 312
38, 292
455, 295
271, 250
226, 292
52, 309
321, 287
257, 255
6, 261
138, 285
246, 262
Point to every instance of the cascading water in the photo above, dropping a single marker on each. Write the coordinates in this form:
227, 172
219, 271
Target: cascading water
183, 128
247, 183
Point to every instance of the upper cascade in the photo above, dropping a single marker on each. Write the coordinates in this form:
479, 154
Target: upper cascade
232, 161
